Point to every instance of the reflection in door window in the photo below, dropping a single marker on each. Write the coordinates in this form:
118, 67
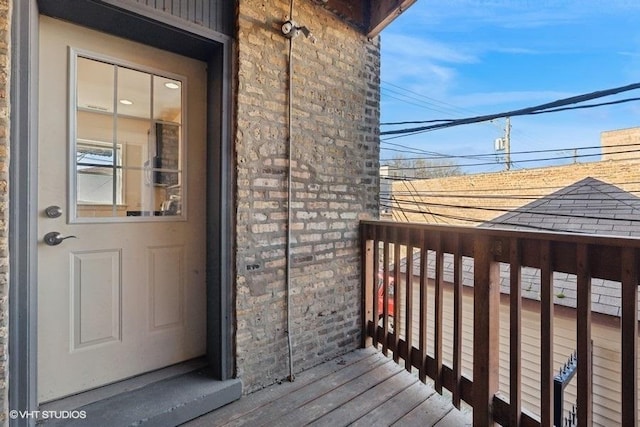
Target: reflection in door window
128, 143
95, 178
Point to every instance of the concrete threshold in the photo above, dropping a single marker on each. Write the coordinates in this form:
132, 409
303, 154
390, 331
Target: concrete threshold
166, 402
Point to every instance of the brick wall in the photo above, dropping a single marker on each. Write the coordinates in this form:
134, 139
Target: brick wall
615, 142
481, 197
5, 32
335, 184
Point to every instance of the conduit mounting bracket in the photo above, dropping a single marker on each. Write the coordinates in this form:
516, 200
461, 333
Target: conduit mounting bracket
290, 29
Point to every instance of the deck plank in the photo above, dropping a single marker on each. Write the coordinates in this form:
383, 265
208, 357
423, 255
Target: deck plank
366, 402
361, 388
455, 419
268, 414
254, 401
428, 413
315, 409
395, 408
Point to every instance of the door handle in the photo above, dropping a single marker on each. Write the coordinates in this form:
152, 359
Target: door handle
54, 238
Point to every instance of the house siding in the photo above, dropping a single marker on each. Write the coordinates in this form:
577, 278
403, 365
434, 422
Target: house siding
335, 149
213, 14
5, 63
605, 336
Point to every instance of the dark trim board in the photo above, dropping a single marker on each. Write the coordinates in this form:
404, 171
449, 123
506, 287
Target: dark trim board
22, 212
144, 25
221, 223
159, 31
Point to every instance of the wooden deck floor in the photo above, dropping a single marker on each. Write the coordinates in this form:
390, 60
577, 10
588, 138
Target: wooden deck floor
361, 388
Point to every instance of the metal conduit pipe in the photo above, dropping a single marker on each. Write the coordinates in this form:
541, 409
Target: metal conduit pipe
291, 30
289, 199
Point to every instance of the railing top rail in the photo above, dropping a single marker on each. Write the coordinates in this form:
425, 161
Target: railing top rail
588, 239
604, 252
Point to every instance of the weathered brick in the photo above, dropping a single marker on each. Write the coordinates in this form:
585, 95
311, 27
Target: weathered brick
334, 160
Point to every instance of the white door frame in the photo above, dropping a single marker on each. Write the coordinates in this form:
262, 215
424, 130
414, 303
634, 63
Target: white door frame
23, 214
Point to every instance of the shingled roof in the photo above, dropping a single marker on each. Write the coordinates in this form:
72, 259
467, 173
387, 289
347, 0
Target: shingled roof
587, 206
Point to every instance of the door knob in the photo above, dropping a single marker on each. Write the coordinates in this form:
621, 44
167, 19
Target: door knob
54, 238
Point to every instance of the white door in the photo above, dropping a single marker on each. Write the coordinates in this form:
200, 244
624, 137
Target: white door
122, 154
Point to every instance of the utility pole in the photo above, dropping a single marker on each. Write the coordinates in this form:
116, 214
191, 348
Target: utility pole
507, 144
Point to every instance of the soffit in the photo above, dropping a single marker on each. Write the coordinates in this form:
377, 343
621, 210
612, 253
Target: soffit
369, 16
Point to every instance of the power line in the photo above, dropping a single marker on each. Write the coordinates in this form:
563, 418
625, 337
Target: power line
525, 197
449, 166
519, 112
582, 107
437, 155
453, 193
480, 224
519, 210
555, 110
519, 161
416, 122
432, 100
417, 105
481, 221
411, 150
456, 109
431, 103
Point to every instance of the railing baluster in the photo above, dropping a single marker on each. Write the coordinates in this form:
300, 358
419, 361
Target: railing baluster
515, 333
423, 306
486, 330
457, 321
584, 386
409, 310
372, 292
629, 337
437, 341
385, 291
396, 296
607, 258
368, 286
546, 335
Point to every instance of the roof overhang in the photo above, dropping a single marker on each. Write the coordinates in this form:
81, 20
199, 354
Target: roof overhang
369, 16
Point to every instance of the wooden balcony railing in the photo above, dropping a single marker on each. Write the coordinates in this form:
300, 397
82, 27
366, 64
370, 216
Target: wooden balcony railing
390, 254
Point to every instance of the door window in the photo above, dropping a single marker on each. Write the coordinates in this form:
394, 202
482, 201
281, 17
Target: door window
127, 143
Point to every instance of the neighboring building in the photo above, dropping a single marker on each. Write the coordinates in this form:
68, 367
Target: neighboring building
620, 144
153, 135
389, 175
473, 199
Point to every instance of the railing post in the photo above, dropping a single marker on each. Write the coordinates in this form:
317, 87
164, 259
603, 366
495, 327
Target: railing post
486, 330
629, 337
546, 334
585, 372
515, 333
423, 306
438, 313
397, 286
457, 321
367, 287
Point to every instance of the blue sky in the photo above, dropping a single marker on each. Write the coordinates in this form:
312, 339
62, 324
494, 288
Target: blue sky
448, 59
